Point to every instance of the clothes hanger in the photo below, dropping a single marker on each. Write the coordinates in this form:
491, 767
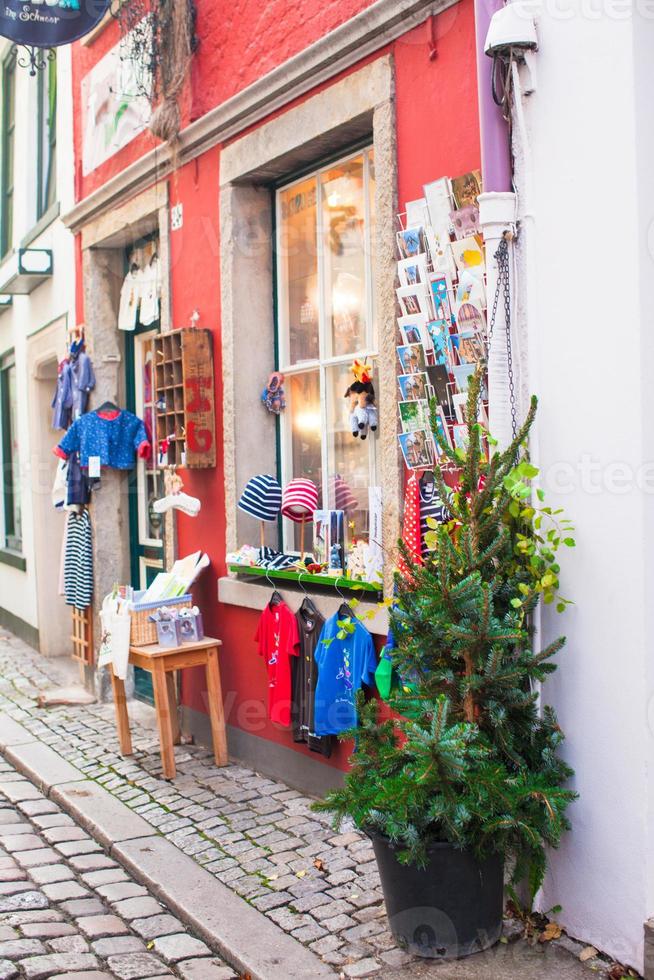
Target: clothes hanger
343, 609
307, 603
276, 598
108, 406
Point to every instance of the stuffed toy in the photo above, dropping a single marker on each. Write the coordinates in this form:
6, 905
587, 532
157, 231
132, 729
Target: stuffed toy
361, 399
272, 395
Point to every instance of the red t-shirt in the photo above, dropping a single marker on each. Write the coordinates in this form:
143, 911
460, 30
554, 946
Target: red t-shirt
279, 640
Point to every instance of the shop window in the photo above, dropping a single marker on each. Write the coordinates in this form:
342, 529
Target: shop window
10, 461
326, 319
46, 157
7, 153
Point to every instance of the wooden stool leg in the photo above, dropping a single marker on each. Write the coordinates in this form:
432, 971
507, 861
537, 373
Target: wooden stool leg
122, 718
162, 707
216, 710
172, 703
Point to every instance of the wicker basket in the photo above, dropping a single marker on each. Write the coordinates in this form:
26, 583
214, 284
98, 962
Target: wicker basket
143, 631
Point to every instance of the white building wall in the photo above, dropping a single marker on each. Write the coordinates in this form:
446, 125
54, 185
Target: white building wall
583, 160
51, 304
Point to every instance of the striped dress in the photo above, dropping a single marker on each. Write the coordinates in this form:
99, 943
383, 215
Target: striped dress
78, 561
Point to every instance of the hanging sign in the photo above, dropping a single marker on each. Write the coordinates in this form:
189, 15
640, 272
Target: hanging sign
49, 23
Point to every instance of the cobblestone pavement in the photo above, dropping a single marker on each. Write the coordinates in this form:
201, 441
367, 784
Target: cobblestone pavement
256, 835
68, 910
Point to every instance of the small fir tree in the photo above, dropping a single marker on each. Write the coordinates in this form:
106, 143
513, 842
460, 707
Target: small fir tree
467, 755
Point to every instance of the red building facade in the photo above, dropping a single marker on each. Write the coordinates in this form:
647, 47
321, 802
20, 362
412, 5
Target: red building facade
273, 93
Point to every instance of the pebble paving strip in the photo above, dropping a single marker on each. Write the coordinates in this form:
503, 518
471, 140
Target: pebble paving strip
69, 910
256, 835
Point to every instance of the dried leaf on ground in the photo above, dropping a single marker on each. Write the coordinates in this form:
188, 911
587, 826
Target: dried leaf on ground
587, 953
319, 864
551, 931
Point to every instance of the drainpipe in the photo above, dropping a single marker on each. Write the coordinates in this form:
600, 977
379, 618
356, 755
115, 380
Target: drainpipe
497, 209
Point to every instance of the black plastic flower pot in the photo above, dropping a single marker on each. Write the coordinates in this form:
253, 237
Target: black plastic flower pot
449, 909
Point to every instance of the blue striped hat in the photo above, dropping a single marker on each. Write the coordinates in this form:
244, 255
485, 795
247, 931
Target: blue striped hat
262, 498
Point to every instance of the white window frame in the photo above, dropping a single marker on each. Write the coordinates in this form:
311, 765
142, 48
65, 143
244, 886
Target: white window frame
321, 364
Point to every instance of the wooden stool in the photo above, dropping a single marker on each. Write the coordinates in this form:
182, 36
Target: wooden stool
160, 662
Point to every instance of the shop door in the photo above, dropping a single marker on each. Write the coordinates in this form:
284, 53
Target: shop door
146, 528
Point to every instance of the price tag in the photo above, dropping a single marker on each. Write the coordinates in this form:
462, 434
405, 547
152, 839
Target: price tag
94, 467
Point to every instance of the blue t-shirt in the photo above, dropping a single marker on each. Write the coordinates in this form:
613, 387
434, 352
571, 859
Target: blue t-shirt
115, 440
343, 666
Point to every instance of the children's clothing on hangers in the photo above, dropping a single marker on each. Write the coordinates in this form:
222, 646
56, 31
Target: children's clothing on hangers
278, 639
82, 382
149, 290
130, 296
305, 678
62, 402
78, 561
344, 665
113, 436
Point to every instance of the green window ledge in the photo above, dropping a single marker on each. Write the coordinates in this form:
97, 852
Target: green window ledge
13, 558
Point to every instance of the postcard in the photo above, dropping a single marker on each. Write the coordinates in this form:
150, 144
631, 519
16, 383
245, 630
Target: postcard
466, 221
416, 212
438, 243
413, 299
439, 289
439, 202
414, 330
414, 415
469, 255
417, 449
412, 358
439, 380
471, 288
462, 374
460, 436
411, 242
439, 333
469, 317
469, 346
466, 188
413, 270
443, 430
413, 386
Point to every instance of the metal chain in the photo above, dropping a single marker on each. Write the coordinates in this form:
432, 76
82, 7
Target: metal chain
503, 280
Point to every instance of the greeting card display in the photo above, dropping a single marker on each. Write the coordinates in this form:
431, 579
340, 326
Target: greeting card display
442, 299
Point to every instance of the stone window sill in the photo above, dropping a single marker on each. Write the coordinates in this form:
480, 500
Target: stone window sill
40, 226
13, 558
255, 595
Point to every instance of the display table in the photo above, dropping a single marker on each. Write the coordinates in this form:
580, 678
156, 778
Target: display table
161, 662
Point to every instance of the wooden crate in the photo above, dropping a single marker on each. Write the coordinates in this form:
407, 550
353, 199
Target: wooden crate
184, 397
82, 636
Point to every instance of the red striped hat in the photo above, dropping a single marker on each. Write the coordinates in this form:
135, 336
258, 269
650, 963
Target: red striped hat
299, 500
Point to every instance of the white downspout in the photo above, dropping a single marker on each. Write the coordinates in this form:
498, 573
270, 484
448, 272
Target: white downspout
497, 215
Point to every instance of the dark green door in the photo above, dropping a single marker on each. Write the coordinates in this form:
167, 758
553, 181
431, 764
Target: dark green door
145, 481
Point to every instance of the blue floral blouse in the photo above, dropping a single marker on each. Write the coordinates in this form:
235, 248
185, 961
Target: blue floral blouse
115, 440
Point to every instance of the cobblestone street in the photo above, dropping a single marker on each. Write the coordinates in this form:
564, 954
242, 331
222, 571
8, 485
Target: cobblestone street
68, 907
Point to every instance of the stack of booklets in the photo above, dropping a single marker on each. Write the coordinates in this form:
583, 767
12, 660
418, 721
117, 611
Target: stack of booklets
178, 581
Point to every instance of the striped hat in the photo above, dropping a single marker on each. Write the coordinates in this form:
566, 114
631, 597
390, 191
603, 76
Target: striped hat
299, 500
261, 498
341, 494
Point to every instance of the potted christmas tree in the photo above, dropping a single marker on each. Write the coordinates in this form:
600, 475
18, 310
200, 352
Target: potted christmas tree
460, 782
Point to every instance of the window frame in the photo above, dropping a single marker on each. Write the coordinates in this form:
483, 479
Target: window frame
10, 540
282, 331
7, 152
46, 137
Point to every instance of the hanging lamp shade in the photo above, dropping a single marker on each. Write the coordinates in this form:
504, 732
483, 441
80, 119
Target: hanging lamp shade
300, 500
261, 498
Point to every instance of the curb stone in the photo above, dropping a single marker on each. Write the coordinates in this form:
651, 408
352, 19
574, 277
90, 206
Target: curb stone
247, 939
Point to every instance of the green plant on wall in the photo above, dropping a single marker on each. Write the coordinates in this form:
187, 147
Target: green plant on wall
468, 755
